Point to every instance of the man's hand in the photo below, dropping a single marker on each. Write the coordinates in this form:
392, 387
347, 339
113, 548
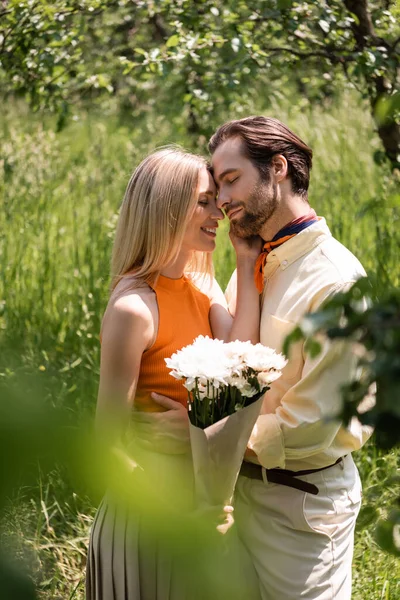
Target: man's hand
221, 519
227, 520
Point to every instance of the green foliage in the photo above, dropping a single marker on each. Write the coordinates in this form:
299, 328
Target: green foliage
201, 58
388, 533
379, 494
375, 332
15, 585
387, 106
42, 48
59, 196
173, 67
373, 398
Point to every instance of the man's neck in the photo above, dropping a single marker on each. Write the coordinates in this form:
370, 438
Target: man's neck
286, 212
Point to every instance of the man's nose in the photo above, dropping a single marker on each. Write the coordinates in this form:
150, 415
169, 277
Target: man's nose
223, 199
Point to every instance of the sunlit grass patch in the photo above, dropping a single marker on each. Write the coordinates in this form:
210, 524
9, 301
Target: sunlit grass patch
59, 196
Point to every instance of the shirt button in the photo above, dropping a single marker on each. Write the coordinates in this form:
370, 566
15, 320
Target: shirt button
284, 262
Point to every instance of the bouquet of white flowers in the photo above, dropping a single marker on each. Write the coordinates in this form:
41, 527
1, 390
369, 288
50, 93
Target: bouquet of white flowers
225, 382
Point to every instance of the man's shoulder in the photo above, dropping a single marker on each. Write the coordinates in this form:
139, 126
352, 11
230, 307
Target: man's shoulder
326, 269
339, 262
331, 268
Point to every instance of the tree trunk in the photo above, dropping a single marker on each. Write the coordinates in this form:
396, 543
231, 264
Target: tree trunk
378, 87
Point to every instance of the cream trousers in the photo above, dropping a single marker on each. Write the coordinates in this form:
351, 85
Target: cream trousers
301, 544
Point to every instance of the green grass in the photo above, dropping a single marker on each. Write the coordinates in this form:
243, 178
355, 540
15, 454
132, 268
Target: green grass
59, 197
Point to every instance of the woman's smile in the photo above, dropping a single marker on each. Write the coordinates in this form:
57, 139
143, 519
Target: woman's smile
211, 231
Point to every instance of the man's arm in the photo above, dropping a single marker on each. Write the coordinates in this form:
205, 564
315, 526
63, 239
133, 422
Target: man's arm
302, 425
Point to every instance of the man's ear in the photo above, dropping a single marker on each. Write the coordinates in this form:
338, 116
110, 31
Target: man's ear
279, 167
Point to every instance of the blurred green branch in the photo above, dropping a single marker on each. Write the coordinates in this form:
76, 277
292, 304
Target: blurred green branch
373, 398
375, 335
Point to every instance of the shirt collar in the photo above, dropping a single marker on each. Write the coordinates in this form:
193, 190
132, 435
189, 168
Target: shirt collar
297, 246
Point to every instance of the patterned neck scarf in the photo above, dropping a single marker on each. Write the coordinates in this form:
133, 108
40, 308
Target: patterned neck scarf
287, 232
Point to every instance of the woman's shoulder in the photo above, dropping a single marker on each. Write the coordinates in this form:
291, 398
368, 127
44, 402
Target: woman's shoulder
131, 304
132, 296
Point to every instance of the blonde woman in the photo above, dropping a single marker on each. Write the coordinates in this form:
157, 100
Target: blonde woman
164, 295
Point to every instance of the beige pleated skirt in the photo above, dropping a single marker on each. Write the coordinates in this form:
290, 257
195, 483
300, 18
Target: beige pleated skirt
127, 562
134, 542
147, 548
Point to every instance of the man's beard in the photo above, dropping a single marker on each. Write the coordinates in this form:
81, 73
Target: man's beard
259, 207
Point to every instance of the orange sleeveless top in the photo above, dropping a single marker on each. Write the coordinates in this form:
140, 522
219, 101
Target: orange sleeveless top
183, 315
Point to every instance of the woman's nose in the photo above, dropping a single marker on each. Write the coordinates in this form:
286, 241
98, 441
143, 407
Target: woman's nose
218, 215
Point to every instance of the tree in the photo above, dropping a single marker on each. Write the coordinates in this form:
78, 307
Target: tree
203, 54
223, 48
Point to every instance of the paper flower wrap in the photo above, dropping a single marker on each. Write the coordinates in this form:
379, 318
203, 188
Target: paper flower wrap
225, 382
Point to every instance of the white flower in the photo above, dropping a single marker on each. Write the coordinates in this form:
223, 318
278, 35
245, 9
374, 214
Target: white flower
202, 392
262, 358
209, 366
248, 391
190, 383
244, 387
266, 377
204, 358
216, 361
237, 381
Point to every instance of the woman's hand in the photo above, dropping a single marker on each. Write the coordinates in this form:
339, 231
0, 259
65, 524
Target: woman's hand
176, 411
246, 248
174, 420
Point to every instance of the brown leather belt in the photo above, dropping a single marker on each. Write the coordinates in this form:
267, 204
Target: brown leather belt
284, 476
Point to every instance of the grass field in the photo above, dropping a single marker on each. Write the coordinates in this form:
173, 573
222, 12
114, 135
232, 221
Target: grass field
59, 197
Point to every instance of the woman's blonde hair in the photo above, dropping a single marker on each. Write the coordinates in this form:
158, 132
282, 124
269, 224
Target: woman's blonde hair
158, 203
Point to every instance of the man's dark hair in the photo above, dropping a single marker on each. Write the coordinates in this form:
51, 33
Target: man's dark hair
264, 137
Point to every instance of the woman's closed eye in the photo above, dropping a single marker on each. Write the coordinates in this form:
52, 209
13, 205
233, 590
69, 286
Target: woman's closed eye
230, 181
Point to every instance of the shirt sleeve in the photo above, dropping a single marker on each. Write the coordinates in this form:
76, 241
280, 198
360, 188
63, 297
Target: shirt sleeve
306, 421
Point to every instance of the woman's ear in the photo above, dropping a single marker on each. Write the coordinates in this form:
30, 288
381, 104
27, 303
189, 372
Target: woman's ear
279, 167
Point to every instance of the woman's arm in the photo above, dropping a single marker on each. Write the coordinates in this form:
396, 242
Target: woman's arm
128, 329
245, 325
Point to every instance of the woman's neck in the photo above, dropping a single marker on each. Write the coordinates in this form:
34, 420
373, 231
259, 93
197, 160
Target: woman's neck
176, 269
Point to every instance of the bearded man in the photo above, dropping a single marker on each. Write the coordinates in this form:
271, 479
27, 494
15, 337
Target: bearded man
299, 492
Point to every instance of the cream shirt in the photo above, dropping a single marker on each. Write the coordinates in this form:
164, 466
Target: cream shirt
295, 429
